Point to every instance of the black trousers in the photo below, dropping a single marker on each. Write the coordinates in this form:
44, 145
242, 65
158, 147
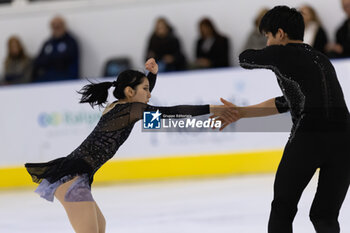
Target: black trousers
329, 151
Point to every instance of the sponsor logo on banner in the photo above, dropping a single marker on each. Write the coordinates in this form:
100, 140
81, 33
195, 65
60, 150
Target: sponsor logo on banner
55, 119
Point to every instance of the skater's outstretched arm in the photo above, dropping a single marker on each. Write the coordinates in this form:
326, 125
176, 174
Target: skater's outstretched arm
130, 113
189, 110
269, 107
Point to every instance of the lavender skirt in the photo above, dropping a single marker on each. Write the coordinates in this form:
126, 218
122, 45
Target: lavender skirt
79, 190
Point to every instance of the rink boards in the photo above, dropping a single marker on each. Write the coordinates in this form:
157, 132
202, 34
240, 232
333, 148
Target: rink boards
41, 122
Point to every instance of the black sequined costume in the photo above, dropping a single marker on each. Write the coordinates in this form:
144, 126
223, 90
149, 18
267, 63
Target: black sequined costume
320, 135
101, 145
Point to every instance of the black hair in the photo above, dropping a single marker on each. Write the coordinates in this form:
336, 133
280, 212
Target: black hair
209, 23
97, 93
288, 19
166, 23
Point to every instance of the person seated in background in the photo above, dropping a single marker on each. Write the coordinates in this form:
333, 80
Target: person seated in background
314, 34
17, 65
59, 56
165, 48
341, 48
256, 40
212, 49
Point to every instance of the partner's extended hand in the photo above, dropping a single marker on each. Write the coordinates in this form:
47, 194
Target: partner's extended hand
227, 113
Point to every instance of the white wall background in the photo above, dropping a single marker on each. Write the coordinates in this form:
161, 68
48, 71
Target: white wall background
108, 28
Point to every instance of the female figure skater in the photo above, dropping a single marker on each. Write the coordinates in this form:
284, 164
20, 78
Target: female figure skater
69, 178
321, 122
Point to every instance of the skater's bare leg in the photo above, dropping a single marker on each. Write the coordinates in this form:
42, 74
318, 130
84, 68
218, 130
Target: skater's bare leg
84, 216
101, 220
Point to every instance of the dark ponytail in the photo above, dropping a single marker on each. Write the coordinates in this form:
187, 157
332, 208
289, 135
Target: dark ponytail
95, 93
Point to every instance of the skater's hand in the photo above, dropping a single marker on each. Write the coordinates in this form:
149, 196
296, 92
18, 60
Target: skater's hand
227, 113
151, 66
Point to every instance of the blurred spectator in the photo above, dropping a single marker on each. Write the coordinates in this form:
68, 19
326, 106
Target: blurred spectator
314, 34
5, 1
17, 66
212, 49
165, 48
59, 56
342, 46
256, 40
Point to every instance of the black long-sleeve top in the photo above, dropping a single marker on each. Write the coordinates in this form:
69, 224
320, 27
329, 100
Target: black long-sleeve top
311, 91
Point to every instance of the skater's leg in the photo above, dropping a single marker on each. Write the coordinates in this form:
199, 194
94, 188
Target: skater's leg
294, 173
82, 215
332, 187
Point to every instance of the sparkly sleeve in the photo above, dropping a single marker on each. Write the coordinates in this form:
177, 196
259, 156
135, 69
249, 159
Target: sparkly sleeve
281, 104
152, 80
261, 58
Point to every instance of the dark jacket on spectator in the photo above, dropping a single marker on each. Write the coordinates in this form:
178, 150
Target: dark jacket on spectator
58, 60
343, 38
159, 47
320, 41
218, 53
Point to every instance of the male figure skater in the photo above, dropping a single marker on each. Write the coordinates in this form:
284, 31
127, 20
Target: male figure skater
320, 136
